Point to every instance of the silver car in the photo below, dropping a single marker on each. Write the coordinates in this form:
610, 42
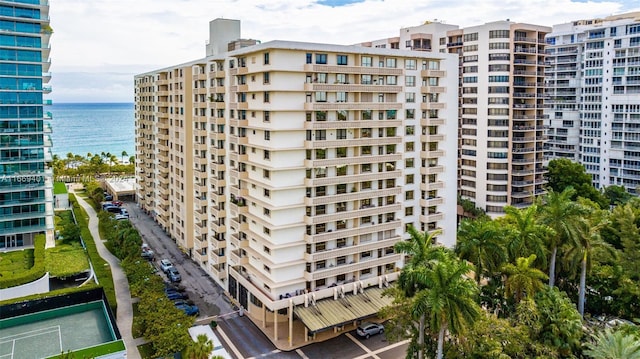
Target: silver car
367, 329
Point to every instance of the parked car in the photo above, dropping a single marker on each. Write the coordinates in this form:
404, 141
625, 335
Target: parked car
189, 309
165, 264
176, 295
112, 209
124, 212
367, 329
174, 275
117, 203
174, 287
147, 253
121, 217
108, 197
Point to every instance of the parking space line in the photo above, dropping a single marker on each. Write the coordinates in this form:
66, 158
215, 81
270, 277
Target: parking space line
364, 347
384, 349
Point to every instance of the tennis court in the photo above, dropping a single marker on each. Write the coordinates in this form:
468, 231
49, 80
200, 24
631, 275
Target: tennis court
48, 333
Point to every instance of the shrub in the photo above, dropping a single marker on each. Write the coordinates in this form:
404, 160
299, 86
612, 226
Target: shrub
35, 272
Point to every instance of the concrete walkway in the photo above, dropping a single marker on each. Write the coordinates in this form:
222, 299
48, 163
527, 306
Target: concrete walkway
124, 315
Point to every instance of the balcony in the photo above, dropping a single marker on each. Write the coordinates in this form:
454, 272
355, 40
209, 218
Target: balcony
349, 268
218, 273
333, 180
345, 251
321, 125
346, 87
431, 202
353, 196
354, 160
363, 212
353, 69
353, 142
433, 73
432, 106
199, 257
379, 106
237, 259
236, 242
343, 233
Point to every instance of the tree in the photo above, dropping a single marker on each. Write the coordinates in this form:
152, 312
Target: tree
448, 299
480, 241
617, 195
564, 173
522, 279
610, 344
421, 253
585, 244
124, 154
200, 349
562, 215
559, 324
527, 236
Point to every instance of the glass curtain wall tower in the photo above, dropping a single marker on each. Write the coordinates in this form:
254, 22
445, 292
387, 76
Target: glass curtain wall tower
26, 180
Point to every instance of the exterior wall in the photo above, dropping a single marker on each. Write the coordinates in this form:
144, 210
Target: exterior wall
26, 189
270, 189
596, 63
36, 287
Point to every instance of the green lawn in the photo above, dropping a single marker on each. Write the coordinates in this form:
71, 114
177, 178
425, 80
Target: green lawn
59, 188
15, 261
65, 260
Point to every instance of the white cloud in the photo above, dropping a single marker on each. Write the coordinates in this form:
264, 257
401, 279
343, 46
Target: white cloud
95, 37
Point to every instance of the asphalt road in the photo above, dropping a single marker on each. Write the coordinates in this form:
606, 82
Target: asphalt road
202, 290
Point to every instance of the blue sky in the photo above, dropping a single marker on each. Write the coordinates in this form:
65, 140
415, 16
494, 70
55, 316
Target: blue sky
98, 46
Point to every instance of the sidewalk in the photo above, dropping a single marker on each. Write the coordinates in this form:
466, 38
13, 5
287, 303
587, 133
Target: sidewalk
124, 315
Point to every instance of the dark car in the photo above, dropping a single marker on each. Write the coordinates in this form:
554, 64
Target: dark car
367, 329
188, 309
176, 295
112, 209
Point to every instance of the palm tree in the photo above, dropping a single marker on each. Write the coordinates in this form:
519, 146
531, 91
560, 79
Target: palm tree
480, 242
523, 281
448, 298
563, 216
527, 236
124, 154
420, 252
200, 349
613, 345
585, 244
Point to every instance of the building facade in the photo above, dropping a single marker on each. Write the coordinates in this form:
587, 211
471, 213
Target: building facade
287, 168
593, 84
501, 94
26, 179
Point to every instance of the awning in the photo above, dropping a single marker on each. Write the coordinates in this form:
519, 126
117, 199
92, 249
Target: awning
328, 313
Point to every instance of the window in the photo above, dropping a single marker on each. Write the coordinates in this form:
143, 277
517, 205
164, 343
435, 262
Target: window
267, 135
266, 78
266, 96
266, 116
266, 58
365, 79
341, 152
266, 193
341, 97
341, 134
267, 154
366, 61
266, 231
408, 211
410, 97
267, 212
321, 59
410, 81
408, 195
321, 96
309, 57
266, 173
341, 59
410, 64
409, 179
391, 62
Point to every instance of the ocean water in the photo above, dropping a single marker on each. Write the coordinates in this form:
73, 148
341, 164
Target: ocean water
82, 128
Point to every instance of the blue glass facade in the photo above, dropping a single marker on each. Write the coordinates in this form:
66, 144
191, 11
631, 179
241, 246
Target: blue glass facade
26, 199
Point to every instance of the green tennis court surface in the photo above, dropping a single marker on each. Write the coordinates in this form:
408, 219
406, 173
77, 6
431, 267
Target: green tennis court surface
48, 333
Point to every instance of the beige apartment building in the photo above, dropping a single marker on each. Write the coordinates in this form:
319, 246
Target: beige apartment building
289, 170
501, 106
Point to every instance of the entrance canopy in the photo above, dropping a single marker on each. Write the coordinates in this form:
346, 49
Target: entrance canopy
121, 187
329, 313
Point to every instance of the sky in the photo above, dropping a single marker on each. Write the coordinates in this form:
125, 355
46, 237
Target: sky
98, 46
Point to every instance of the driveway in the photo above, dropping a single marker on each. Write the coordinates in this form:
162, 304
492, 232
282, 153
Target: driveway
202, 290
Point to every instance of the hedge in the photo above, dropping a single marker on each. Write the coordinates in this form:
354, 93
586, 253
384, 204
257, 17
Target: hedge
31, 274
100, 266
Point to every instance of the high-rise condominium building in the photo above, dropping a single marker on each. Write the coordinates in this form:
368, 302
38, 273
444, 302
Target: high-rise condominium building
26, 198
287, 168
593, 84
501, 127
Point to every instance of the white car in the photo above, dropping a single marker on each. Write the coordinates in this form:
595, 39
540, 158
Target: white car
121, 217
165, 265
